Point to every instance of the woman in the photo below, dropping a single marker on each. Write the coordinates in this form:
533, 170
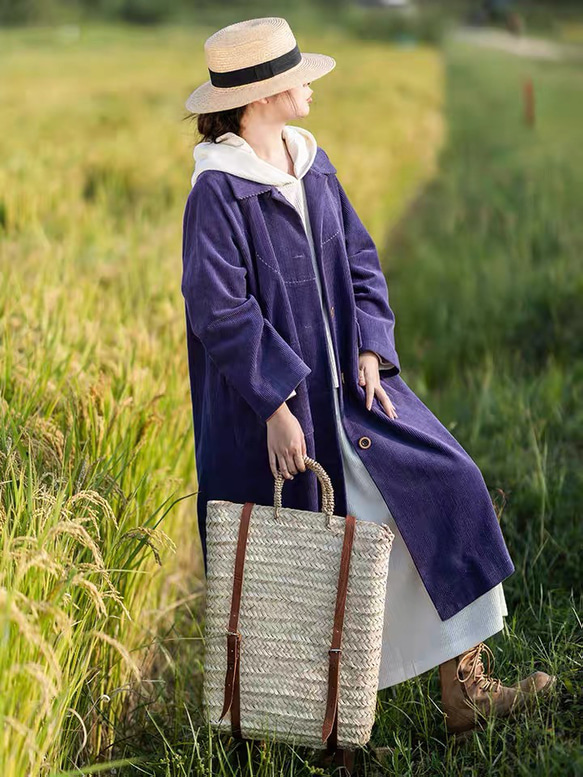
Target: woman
291, 352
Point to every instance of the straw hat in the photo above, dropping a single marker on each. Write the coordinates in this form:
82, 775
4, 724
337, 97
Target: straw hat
253, 59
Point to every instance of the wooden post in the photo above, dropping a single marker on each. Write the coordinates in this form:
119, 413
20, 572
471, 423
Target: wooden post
529, 107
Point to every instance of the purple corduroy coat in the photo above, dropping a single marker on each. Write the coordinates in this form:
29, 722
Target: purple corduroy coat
255, 331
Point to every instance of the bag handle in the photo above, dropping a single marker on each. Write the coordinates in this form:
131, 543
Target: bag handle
325, 482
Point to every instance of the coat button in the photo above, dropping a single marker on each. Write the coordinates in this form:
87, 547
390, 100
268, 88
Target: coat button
332, 310
342, 376
364, 442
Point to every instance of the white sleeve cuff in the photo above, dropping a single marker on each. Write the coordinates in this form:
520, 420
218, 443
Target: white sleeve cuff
383, 363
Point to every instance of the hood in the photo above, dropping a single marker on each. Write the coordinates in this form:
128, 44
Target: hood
232, 154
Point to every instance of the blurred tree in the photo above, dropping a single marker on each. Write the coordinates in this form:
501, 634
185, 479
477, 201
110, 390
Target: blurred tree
13, 12
22, 11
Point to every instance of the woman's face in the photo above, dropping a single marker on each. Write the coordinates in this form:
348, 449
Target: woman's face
293, 103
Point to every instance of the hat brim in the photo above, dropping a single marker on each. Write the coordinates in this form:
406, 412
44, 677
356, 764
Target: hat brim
208, 98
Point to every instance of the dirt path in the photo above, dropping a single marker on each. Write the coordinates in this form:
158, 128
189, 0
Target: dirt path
521, 45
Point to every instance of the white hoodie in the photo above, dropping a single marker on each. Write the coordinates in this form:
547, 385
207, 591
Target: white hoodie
233, 154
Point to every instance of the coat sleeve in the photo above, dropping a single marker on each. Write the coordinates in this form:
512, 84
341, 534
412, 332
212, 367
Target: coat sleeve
227, 319
375, 319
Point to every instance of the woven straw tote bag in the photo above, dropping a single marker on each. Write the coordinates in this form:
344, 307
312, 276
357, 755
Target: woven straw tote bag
294, 613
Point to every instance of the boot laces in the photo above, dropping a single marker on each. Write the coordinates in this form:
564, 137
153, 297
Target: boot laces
476, 667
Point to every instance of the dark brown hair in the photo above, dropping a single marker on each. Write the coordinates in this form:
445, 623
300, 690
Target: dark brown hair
212, 125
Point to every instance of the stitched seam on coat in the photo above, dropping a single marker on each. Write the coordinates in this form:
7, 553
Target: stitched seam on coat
331, 236
275, 270
253, 194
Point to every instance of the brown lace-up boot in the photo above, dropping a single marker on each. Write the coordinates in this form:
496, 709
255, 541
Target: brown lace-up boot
469, 694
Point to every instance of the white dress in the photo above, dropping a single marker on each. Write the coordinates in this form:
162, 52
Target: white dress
415, 638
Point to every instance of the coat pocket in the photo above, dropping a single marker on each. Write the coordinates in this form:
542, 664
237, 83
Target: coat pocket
288, 268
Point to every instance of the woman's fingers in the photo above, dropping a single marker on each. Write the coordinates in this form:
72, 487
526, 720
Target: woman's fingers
295, 455
370, 392
370, 379
373, 388
283, 467
272, 463
292, 459
298, 459
286, 446
388, 406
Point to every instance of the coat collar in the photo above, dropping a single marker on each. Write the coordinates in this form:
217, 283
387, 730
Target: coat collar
243, 187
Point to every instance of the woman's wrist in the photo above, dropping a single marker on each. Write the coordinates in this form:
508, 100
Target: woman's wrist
281, 409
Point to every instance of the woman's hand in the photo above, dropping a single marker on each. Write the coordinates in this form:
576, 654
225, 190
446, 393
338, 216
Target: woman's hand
286, 444
368, 376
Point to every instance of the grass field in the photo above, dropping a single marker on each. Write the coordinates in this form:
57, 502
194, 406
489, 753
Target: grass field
100, 569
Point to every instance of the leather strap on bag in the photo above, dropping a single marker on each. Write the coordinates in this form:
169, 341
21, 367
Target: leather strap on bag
232, 699
330, 726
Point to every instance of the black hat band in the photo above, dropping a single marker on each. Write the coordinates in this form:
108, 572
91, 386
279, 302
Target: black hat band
253, 73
